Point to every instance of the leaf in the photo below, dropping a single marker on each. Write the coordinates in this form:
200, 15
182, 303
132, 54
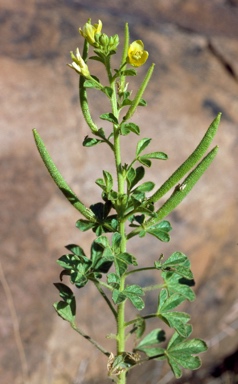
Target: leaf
139, 327
141, 145
156, 155
92, 84
100, 210
108, 180
101, 262
134, 176
67, 308
149, 344
126, 102
122, 260
154, 337
142, 103
129, 72
100, 182
145, 187
185, 272
66, 311
68, 261
177, 263
118, 297
75, 249
129, 127
160, 230
109, 117
90, 142
113, 280
96, 58
108, 91
178, 320
145, 159
166, 302
175, 259
84, 225
133, 293
181, 352
174, 284
116, 242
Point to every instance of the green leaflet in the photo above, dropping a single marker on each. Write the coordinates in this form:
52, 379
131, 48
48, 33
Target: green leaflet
142, 144
154, 337
180, 353
177, 263
131, 292
121, 259
66, 308
126, 128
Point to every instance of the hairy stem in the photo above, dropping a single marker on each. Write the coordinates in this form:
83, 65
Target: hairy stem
90, 339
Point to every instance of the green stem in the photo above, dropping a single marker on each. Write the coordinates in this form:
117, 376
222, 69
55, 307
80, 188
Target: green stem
150, 316
152, 287
92, 341
120, 182
139, 270
97, 284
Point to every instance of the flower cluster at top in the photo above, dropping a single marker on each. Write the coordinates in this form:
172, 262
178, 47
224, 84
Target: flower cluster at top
105, 46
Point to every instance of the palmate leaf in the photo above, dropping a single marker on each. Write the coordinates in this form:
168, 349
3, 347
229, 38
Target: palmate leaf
112, 253
134, 175
100, 262
66, 308
145, 187
180, 353
109, 117
149, 344
131, 292
126, 128
178, 263
154, 337
122, 260
175, 284
160, 230
167, 303
176, 320
91, 141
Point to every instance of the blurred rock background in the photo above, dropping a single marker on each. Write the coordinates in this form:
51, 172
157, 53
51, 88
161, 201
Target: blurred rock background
194, 45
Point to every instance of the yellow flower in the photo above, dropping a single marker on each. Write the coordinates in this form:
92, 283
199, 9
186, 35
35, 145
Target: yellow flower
79, 64
89, 31
136, 54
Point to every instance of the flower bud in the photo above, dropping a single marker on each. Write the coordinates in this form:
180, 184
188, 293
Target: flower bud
89, 31
79, 64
